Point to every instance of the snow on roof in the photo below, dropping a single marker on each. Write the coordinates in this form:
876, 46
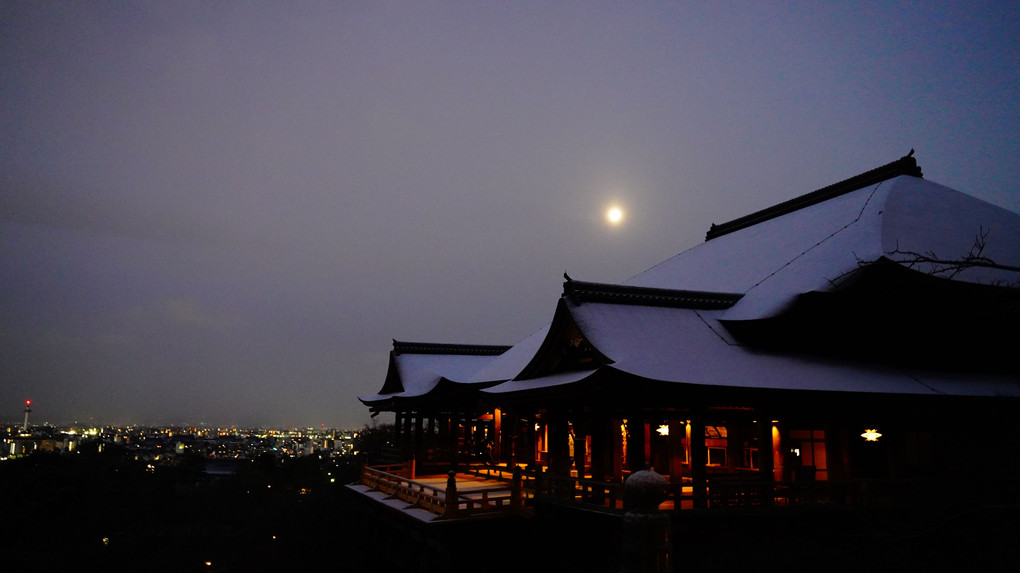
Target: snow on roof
550, 381
770, 257
689, 346
736, 262
777, 259
510, 363
925, 217
421, 373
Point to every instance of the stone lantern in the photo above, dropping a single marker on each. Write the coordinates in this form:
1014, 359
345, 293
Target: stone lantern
646, 529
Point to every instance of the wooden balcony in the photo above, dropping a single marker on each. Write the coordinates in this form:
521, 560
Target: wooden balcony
476, 492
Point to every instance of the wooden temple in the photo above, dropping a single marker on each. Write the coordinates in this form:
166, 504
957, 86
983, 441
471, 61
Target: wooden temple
856, 344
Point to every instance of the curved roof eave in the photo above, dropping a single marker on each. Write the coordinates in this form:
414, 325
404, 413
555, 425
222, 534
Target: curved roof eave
541, 383
510, 364
686, 346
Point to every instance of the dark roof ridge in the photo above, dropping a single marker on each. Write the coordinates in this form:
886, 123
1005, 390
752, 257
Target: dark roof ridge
905, 165
440, 348
580, 292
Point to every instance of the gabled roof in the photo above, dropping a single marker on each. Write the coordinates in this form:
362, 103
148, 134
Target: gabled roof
565, 349
905, 165
419, 369
779, 258
690, 347
509, 364
562, 354
676, 321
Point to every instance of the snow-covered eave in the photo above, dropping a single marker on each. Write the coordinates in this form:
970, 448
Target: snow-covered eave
517, 387
690, 347
859, 380
440, 386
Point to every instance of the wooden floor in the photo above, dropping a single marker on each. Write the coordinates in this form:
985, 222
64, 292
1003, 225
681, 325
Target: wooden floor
465, 482
468, 487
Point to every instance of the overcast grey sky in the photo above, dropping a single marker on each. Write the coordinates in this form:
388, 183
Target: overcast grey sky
223, 212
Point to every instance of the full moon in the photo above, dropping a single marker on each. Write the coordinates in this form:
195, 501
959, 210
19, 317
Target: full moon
614, 215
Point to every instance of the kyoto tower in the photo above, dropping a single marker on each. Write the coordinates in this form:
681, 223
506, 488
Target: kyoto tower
28, 408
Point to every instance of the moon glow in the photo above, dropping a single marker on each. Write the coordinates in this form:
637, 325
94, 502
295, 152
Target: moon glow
614, 215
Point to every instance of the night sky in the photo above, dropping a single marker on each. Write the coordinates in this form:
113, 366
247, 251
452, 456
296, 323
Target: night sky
223, 212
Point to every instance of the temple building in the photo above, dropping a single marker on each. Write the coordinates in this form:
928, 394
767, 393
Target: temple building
852, 344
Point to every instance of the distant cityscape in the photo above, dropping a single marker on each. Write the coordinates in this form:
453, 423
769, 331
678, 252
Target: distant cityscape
180, 497
163, 445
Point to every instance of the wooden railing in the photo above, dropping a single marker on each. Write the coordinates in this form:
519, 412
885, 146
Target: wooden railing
401, 469
721, 492
444, 501
729, 493
526, 480
585, 491
487, 471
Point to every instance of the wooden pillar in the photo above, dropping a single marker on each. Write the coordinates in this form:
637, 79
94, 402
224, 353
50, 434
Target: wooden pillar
430, 439
450, 424
442, 438
601, 446
497, 436
677, 434
616, 434
781, 442
835, 451
453, 438
699, 459
511, 436
737, 432
516, 500
398, 428
528, 453
407, 443
477, 436
580, 445
765, 461
559, 443
636, 444
419, 436
837, 444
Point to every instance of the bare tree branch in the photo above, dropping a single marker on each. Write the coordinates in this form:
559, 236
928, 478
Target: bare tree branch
938, 266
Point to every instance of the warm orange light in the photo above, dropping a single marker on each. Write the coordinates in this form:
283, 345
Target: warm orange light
663, 430
871, 435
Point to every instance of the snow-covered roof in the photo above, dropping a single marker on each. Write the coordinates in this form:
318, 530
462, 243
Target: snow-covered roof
675, 322
689, 346
510, 363
780, 258
416, 369
549, 381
